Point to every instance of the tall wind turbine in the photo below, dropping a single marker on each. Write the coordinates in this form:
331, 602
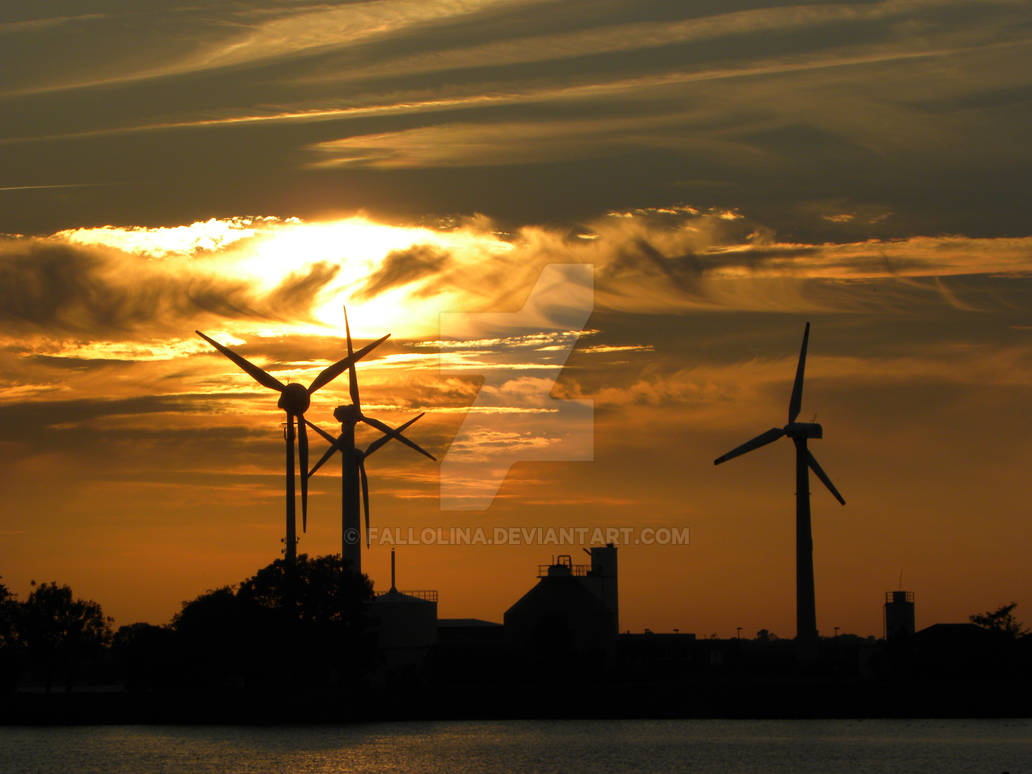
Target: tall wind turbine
353, 472
799, 432
294, 400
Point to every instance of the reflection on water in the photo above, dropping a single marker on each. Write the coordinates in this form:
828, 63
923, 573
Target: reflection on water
569, 746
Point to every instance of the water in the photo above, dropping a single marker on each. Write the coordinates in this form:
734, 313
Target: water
552, 746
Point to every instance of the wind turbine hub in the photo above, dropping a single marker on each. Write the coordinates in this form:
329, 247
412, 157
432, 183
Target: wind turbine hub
294, 399
347, 414
804, 430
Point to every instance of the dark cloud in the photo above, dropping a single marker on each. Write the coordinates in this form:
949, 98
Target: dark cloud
760, 105
298, 291
401, 267
70, 289
32, 417
67, 289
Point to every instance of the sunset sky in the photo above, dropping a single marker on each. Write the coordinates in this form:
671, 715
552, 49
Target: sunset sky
676, 187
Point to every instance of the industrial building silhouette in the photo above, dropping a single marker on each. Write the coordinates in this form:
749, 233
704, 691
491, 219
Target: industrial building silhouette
565, 629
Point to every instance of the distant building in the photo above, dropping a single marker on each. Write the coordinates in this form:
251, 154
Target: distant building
899, 615
571, 617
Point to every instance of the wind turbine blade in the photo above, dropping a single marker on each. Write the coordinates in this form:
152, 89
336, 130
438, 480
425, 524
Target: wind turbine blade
796, 403
812, 461
352, 374
302, 454
329, 438
385, 438
256, 373
761, 440
365, 496
397, 435
335, 370
334, 446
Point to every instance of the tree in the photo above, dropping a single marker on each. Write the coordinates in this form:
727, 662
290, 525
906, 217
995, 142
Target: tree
8, 608
292, 625
61, 634
320, 590
215, 640
311, 618
9, 646
765, 636
145, 656
1001, 620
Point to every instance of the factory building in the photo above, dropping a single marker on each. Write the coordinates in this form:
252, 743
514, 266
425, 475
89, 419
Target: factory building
571, 615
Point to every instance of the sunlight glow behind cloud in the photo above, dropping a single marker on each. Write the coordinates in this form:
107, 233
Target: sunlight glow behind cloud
291, 276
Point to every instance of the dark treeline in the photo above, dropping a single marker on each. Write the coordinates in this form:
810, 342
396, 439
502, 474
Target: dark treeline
290, 627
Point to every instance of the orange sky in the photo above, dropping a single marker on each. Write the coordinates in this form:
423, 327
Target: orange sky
145, 467
594, 233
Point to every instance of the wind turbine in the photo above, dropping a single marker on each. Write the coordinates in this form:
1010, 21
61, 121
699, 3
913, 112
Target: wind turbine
799, 432
295, 400
353, 472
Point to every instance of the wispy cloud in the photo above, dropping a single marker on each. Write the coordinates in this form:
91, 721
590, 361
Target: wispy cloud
46, 22
256, 38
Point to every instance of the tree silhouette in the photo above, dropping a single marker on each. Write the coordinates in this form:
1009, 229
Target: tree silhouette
324, 590
292, 626
8, 607
9, 644
146, 656
61, 633
1001, 620
215, 640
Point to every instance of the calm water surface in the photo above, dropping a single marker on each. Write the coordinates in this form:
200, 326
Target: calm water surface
569, 746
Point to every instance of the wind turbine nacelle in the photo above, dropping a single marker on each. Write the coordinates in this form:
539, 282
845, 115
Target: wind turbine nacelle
804, 430
294, 399
347, 414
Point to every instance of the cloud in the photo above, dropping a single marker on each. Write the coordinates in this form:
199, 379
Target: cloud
44, 23
295, 295
400, 267
51, 286
626, 106
48, 285
157, 242
292, 273
247, 36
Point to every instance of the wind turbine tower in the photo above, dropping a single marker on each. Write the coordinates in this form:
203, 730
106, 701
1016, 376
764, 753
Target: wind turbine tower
800, 433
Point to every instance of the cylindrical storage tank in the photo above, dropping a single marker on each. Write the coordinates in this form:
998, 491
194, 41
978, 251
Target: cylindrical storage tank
406, 627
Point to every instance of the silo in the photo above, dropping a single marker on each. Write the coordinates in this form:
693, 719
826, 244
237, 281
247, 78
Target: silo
406, 624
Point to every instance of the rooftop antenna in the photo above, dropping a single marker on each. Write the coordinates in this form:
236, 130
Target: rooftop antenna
394, 587
354, 481
294, 400
799, 432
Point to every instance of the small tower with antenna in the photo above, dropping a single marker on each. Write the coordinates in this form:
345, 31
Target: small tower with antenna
899, 615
